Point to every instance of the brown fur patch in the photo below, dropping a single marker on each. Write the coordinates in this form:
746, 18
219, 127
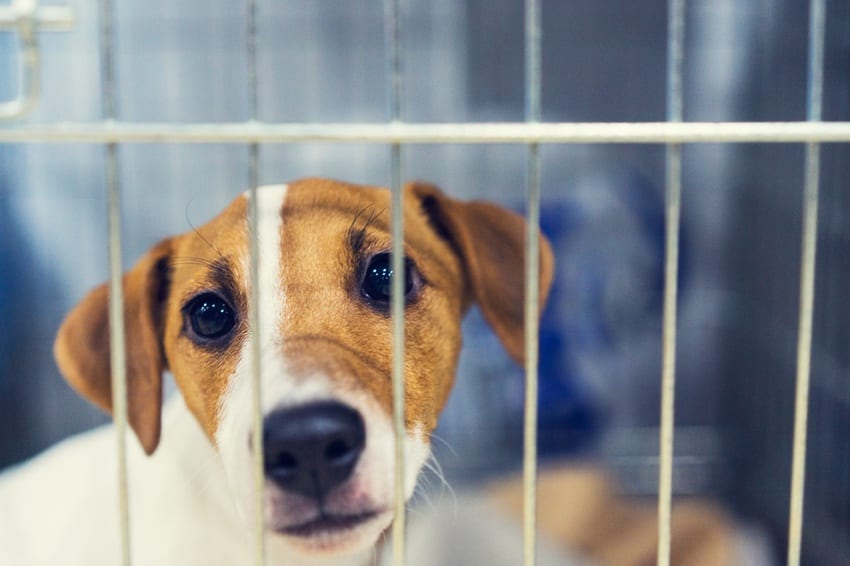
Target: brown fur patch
330, 327
202, 374
83, 344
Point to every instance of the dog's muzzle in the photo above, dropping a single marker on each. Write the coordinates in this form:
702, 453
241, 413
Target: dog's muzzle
311, 449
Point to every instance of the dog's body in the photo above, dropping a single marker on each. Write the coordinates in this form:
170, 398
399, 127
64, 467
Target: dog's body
324, 340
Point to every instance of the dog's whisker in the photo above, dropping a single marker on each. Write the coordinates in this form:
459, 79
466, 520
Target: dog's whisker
201, 236
423, 488
444, 442
191, 260
356, 236
434, 466
420, 495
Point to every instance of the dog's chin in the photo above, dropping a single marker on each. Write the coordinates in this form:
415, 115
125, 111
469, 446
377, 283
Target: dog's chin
333, 534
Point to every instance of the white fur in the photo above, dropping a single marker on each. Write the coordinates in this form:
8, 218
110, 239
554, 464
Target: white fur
61, 508
237, 404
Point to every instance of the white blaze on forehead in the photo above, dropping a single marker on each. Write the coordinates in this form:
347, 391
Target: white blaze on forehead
274, 385
233, 433
269, 236
269, 231
268, 290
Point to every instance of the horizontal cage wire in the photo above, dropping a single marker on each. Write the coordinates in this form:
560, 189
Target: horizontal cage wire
444, 133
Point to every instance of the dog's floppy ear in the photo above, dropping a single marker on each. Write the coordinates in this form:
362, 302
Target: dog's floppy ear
82, 347
491, 242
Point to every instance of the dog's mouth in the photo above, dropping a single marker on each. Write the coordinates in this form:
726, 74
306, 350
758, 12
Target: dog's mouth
328, 524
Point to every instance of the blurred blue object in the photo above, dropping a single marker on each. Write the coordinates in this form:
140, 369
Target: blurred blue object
5, 295
608, 230
12, 332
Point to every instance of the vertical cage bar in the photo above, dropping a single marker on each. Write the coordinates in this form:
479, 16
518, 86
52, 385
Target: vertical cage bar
117, 336
675, 57
533, 79
254, 295
814, 112
398, 355
394, 76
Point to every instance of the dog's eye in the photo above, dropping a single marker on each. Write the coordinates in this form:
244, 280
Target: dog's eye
378, 279
210, 316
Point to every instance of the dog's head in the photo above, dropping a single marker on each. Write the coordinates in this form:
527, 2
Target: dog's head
324, 338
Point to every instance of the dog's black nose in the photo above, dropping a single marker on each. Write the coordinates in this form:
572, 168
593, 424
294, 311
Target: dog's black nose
314, 448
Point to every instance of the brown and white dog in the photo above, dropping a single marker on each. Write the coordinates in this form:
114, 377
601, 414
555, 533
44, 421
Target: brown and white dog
325, 341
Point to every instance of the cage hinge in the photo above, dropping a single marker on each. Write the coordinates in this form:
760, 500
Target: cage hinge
26, 18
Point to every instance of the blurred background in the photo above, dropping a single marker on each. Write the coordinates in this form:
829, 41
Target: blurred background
323, 61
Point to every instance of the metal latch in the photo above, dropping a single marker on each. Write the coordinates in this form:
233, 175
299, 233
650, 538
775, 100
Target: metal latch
27, 19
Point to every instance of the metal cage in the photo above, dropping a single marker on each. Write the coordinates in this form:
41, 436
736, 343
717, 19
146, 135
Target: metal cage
26, 19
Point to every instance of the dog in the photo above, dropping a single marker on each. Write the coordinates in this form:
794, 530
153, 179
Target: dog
324, 336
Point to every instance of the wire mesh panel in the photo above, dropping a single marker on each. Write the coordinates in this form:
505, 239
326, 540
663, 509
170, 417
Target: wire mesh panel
674, 133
